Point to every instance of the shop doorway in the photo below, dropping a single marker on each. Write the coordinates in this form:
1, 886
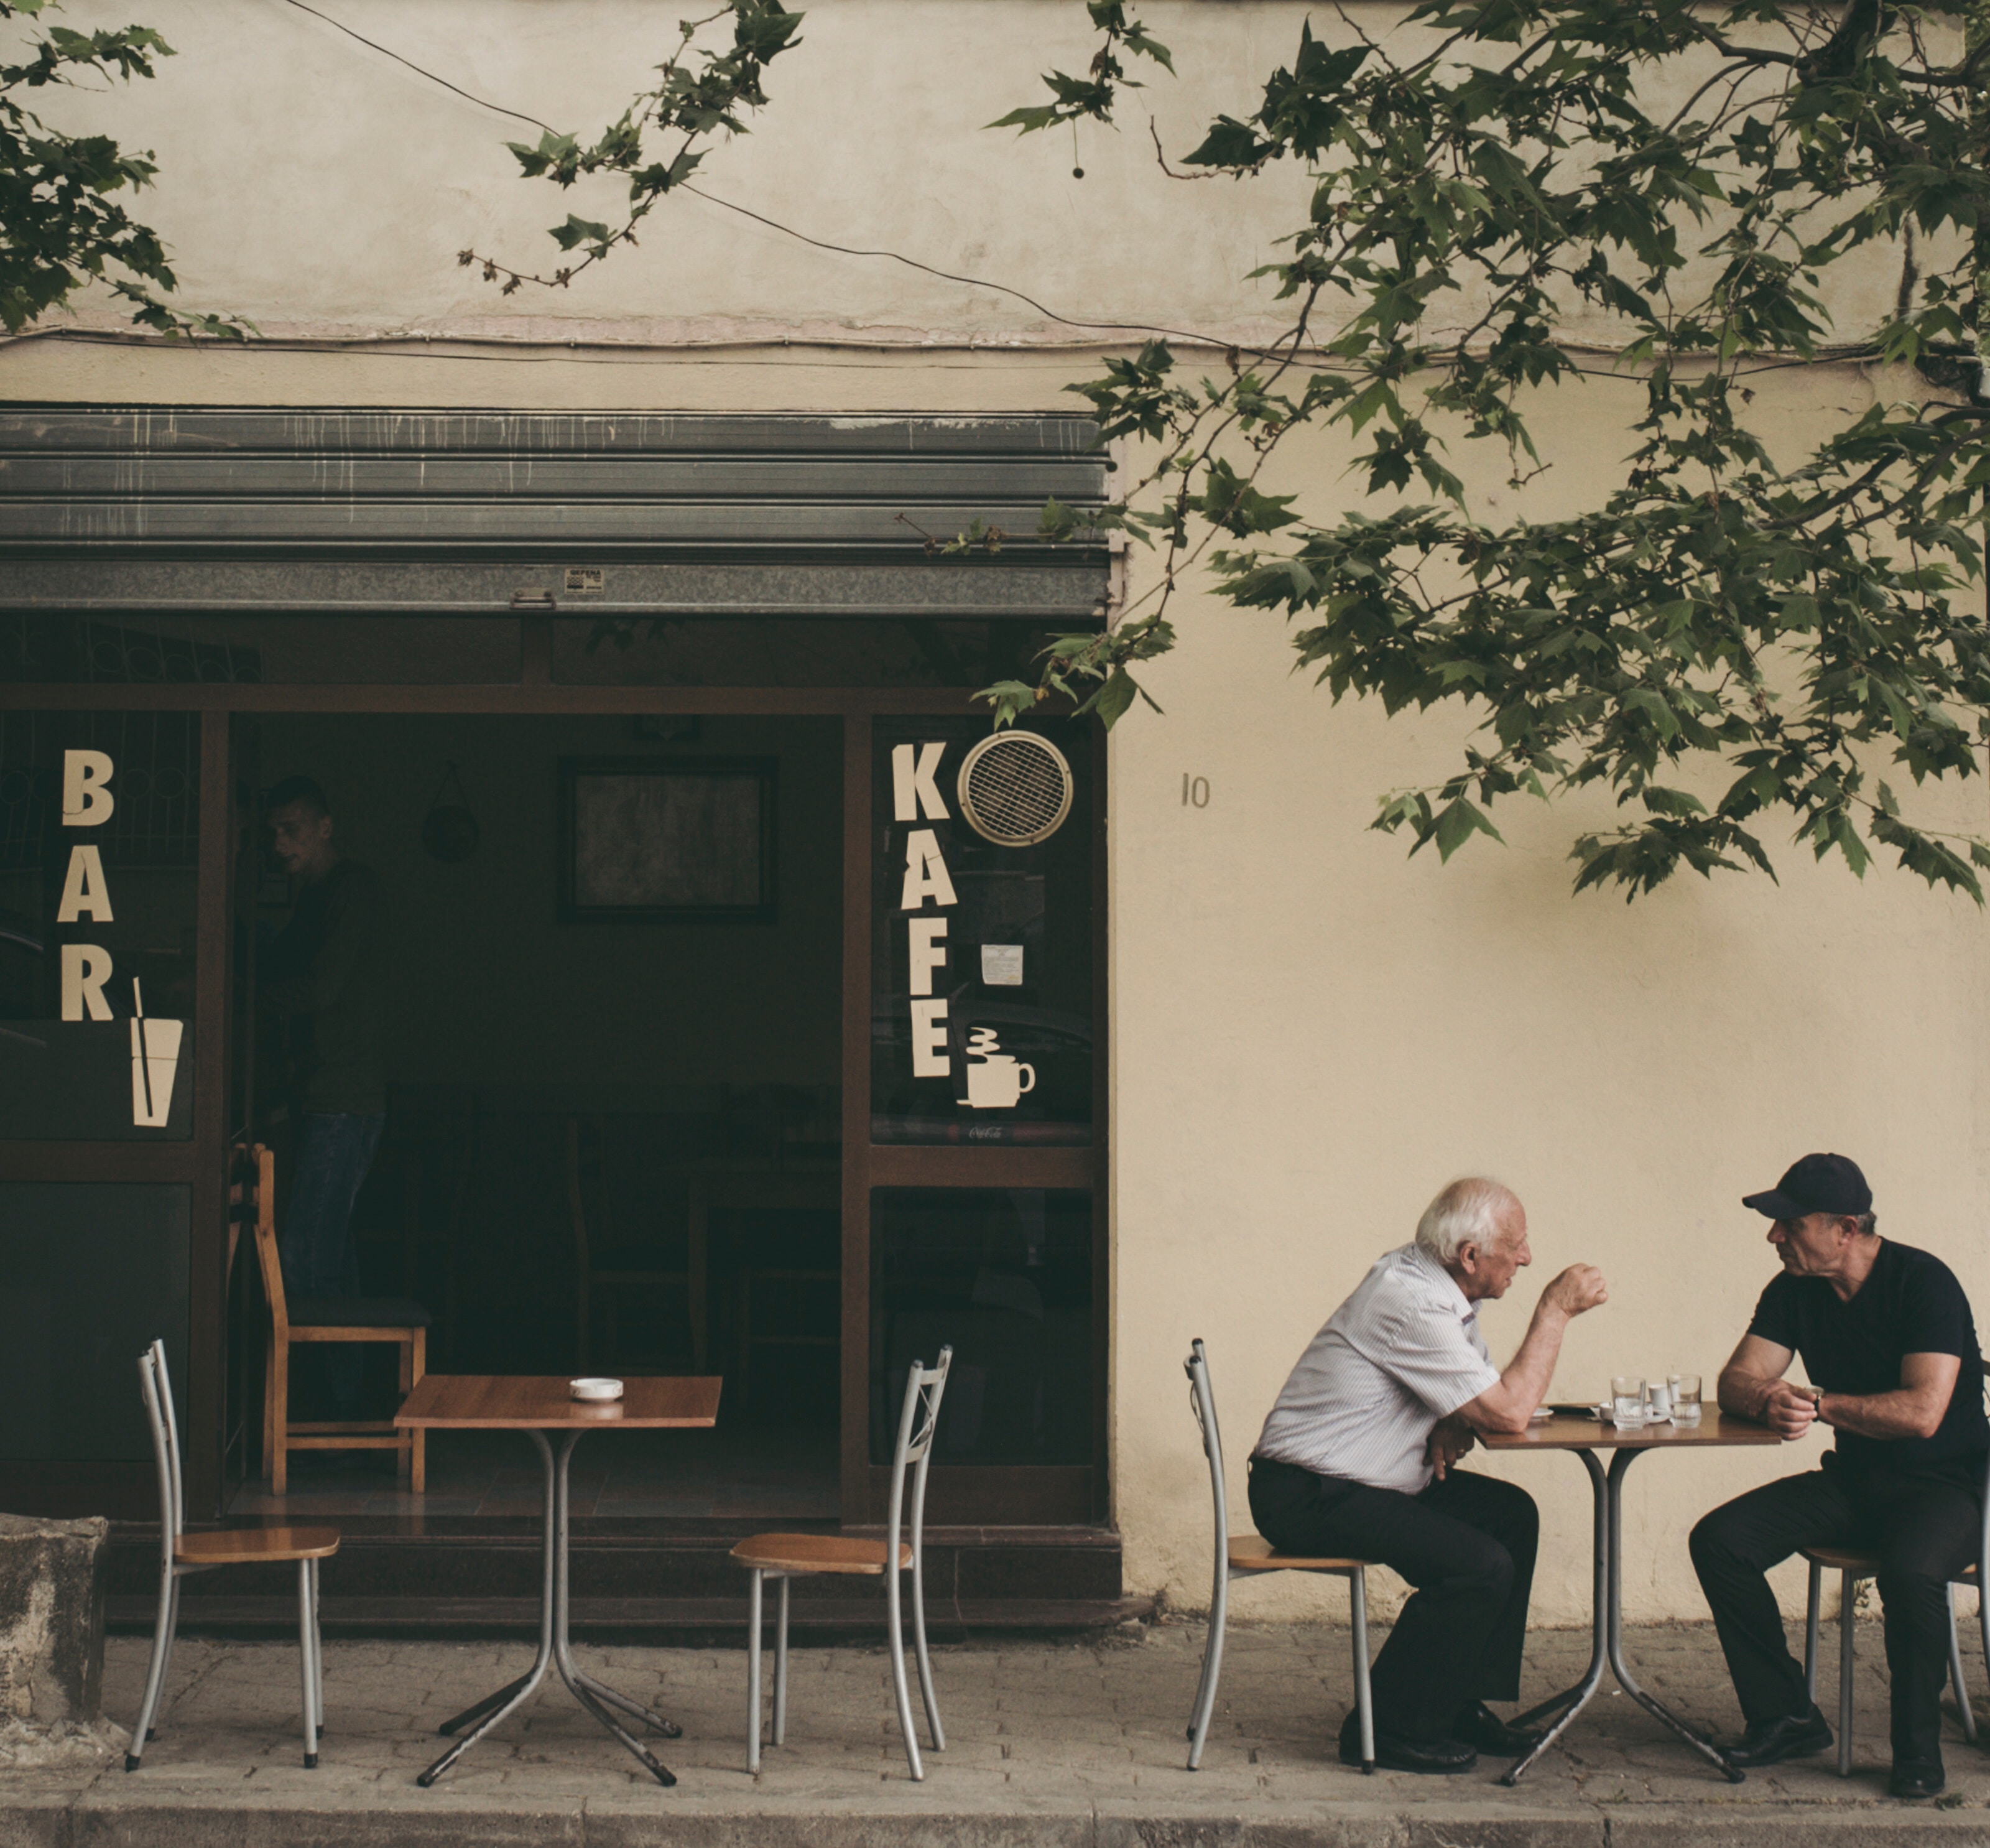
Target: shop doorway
612, 1087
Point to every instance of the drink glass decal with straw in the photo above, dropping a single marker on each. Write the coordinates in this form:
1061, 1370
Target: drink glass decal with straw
155, 1058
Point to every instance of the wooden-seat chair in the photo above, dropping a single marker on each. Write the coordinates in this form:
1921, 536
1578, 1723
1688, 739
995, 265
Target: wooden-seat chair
351, 1319
615, 1282
180, 1553
1852, 1564
1250, 1556
783, 1557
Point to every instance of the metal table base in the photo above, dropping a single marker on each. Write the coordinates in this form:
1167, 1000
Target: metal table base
556, 1648
1607, 1632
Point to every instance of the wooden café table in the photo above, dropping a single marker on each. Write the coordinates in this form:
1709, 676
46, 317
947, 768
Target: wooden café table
540, 1406
1585, 1435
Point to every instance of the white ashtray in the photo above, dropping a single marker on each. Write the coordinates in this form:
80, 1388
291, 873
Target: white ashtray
598, 1391
1540, 1415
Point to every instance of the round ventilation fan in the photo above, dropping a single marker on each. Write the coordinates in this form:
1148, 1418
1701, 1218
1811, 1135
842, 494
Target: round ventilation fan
1015, 789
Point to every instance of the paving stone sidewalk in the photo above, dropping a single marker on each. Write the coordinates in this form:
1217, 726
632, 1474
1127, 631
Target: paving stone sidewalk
1064, 1742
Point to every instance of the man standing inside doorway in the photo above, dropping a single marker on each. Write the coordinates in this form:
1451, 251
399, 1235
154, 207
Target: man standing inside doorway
325, 974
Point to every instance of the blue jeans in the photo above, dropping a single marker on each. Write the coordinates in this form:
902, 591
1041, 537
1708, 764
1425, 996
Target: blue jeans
314, 1241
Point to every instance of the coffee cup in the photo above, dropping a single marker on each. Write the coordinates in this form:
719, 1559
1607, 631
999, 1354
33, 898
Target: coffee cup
996, 1082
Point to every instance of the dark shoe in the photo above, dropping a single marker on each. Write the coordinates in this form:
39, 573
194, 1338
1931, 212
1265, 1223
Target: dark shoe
1480, 1726
1794, 1736
1916, 1778
1437, 1757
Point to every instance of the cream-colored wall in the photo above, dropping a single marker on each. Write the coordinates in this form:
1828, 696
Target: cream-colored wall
1311, 1032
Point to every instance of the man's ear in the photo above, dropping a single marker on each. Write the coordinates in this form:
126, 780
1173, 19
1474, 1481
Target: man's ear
1468, 1257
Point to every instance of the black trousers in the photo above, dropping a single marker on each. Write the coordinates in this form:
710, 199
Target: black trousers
1466, 1543
1924, 1528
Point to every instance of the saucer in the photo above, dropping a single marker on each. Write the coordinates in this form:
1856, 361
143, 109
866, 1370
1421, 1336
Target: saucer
597, 1391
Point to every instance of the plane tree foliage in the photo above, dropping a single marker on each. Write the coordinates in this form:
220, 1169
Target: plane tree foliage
64, 220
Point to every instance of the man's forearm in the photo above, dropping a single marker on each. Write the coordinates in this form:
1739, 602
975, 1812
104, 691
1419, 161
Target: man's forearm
1901, 1414
1745, 1395
1508, 1405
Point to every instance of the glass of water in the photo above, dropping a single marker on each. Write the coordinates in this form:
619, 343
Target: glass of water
1686, 1398
1626, 1402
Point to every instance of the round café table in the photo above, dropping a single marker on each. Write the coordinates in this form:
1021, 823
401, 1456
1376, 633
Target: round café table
1586, 1436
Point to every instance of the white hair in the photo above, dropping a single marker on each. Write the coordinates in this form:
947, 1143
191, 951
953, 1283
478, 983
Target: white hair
1467, 1212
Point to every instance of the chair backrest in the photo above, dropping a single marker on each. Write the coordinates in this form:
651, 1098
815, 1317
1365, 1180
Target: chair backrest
924, 1385
255, 1191
576, 1202
157, 1390
1202, 1399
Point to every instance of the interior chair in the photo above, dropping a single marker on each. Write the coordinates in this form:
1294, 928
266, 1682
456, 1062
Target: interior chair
589, 1151
785, 1556
1852, 1566
773, 1272
1250, 1556
180, 1553
374, 1320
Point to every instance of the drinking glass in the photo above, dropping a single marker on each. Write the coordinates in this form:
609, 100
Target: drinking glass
1626, 1402
1686, 1398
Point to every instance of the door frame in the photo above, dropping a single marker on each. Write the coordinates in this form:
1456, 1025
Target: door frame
1072, 1495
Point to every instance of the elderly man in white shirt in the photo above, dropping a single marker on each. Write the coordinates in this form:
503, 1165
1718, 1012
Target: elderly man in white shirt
1358, 1457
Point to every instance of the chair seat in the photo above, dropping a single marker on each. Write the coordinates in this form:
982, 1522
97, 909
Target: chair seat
356, 1311
816, 1553
1253, 1552
1849, 1559
245, 1545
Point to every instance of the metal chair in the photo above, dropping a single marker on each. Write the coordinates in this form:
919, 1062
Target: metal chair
180, 1553
783, 1557
1251, 1556
1852, 1565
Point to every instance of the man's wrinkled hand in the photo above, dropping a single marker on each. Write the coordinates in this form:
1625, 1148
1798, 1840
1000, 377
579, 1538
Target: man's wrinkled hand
1450, 1438
1788, 1412
1578, 1288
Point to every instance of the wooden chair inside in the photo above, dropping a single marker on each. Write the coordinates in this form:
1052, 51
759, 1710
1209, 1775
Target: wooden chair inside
796, 1286
591, 1147
369, 1320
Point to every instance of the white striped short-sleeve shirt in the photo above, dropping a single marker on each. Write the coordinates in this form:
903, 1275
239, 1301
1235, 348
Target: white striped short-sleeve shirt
1403, 1351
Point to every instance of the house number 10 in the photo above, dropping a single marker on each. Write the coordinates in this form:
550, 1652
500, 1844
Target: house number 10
1195, 791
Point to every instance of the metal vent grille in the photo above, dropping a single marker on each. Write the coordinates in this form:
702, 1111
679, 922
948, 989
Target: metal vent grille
1015, 789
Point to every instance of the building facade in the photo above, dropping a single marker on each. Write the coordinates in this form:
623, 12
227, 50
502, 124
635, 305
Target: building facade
675, 514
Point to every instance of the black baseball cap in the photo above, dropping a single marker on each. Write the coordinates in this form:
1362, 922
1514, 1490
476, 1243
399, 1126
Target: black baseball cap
1818, 1184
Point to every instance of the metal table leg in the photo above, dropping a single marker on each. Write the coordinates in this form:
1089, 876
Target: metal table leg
555, 1650
596, 1699
494, 1707
1571, 1701
1620, 1465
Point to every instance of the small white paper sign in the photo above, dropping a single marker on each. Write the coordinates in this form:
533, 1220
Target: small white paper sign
1002, 965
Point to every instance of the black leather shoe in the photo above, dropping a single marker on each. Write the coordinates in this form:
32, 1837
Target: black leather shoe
1916, 1778
1794, 1736
1437, 1757
1480, 1726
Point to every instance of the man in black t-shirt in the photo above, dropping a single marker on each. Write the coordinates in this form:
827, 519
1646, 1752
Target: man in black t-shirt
1885, 1335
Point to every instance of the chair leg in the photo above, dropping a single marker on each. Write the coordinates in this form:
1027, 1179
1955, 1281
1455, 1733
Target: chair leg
404, 1459
279, 1418
1963, 1710
1846, 1612
1364, 1706
933, 1730
309, 1670
317, 1645
155, 1670
894, 1626
1813, 1615
753, 1671
418, 1447
781, 1665
1212, 1667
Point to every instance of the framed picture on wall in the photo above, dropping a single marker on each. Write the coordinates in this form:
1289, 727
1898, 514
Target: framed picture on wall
661, 840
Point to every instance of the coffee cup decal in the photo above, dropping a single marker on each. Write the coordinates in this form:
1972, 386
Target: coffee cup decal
155, 1060
995, 1080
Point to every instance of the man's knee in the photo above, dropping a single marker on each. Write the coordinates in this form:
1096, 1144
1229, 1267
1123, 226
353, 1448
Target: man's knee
1712, 1542
1485, 1566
